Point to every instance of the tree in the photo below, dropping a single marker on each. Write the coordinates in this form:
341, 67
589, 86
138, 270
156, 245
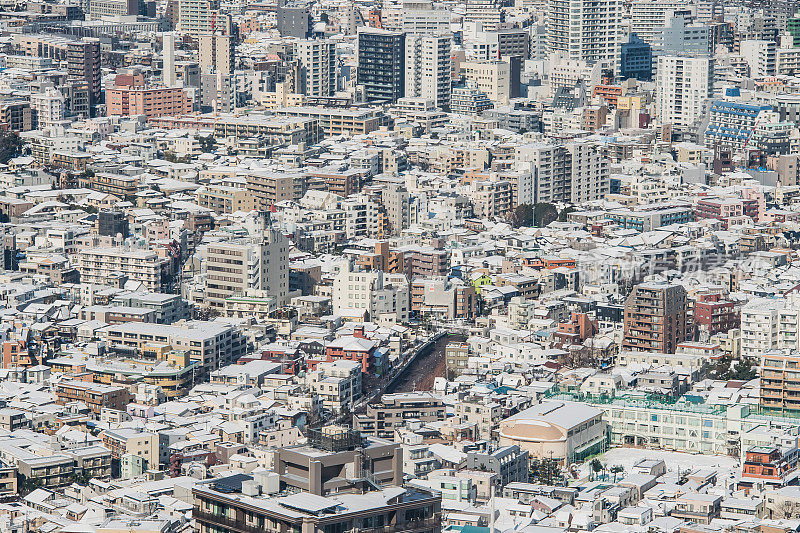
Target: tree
545, 471
10, 146
544, 214
743, 370
616, 469
522, 216
724, 369
597, 466
721, 368
562, 216
207, 143
30, 484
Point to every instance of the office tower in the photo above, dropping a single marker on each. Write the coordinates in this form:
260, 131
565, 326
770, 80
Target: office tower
216, 53
636, 59
169, 75
381, 64
508, 42
487, 13
429, 67
649, 17
683, 85
317, 59
760, 56
655, 318
585, 30
793, 27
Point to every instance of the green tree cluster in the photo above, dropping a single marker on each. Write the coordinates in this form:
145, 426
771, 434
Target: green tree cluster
724, 369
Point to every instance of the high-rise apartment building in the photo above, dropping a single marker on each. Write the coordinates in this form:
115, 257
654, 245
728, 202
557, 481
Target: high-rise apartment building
587, 30
47, 107
760, 56
270, 188
199, 17
770, 324
233, 268
381, 296
81, 57
649, 17
492, 77
780, 381
683, 86
115, 266
573, 172
216, 53
591, 177
381, 64
419, 16
317, 59
429, 67
656, 318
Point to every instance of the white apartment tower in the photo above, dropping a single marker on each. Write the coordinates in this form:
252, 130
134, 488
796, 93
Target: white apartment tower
587, 30
197, 17
683, 87
428, 67
771, 324
591, 176
48, 107
649, 17
760, 56
317, 60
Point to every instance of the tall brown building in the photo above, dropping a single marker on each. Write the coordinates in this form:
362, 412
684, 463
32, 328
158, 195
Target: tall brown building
779, 381
656, 318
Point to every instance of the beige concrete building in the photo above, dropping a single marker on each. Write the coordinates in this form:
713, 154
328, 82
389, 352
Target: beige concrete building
233, 268
565, 431
224, 199
114, 266
491, 77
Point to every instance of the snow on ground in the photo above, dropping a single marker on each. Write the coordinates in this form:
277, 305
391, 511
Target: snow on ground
675, 461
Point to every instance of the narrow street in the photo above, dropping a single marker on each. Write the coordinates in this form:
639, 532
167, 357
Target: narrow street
421, 373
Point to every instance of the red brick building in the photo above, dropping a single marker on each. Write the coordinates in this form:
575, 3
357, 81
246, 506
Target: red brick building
713, 313
731, 211
352, 349
130, 96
